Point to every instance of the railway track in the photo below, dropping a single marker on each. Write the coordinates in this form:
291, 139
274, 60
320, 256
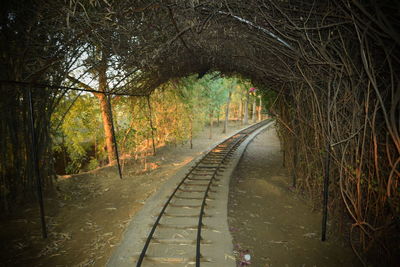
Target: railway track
181, 235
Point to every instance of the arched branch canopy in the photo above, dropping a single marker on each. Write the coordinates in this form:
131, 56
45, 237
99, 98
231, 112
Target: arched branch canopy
271, 42
334, 65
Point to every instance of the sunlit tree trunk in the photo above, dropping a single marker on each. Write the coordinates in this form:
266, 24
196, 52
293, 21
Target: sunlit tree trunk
246, 109
254, 110
240, 116
105, 108
151, 125
95, 147
106, 117
260, 109
228, 101
104, 105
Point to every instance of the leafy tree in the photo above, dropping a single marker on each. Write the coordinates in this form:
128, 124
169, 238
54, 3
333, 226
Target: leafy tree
34, 50
213, 95
180, 109
79, 131
230, 84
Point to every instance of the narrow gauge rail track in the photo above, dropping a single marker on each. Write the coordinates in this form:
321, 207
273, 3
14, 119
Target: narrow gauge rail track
191, 194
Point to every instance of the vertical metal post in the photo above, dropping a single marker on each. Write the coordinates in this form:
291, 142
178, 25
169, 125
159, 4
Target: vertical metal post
327, 168
294, 175
114, 137
326, 192
151, 124
35, 158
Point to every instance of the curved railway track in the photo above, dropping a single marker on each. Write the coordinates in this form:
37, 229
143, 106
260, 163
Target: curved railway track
185, 210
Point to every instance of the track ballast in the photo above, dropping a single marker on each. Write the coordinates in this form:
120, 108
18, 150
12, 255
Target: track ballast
179, 234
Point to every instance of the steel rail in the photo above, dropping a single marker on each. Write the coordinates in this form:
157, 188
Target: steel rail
203, 204
156, 223
246, 132
231, 144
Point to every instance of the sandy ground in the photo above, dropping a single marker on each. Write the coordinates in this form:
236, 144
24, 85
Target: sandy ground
89, 212
270, 221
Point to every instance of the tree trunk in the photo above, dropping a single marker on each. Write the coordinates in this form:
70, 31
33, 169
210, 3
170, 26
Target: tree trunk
259, 109
228, 101
151, 125
211, 124
105, 109
64, 152
104, 106
246, 109
95, 147
240, 116
191, 132
253, 115
106, 117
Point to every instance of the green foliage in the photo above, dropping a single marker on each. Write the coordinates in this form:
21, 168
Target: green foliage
179, 109
268, 97
213, 92
93, 164
76, 128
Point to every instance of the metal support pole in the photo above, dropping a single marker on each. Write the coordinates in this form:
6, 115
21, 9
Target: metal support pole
326, 192
35, 158
151, 124
114, 137
294, 174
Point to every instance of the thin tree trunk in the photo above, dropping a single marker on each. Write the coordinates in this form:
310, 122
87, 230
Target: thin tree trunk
240, 116
246, 109
211, 124
64, 151
151, 125
106, 117
259, 109
228, 101
105, 108
95, 148
126, 135
253, 115
191, 132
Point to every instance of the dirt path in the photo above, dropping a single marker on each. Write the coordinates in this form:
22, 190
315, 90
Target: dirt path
89, 212
267, 219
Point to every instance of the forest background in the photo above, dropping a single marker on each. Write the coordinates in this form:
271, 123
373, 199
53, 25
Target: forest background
337, 105
172, 114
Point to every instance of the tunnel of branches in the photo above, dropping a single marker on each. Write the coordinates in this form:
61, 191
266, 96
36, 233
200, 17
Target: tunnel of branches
333, 65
